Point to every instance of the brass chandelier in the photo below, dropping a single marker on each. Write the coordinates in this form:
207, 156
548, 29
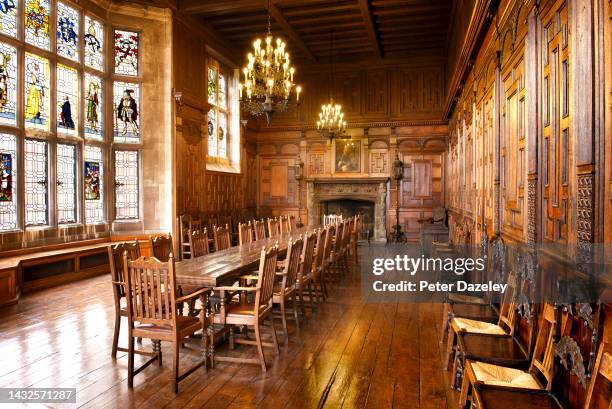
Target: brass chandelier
268, 78
331, 123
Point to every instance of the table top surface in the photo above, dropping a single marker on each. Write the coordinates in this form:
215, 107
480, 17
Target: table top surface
219, 267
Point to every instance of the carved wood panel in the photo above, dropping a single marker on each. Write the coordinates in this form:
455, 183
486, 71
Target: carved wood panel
277, 182
379, 161
556, 121
376, 98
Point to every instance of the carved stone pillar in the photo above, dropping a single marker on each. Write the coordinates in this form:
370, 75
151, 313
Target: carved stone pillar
380, 231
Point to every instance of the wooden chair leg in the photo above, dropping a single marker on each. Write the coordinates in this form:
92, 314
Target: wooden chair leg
175, 364
274, 339
262, 358
445, 321
283, 317
131, 362
450, 348
116, 334
310, 297
465, 387
295, 313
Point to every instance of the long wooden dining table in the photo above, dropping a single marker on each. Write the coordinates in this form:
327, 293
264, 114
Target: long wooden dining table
220, 267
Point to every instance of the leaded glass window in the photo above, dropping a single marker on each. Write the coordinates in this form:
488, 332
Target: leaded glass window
218, 115
67, 100
8, 182
37, 23
126, 97
36, 182
94, 184
8, 84
66, 183
126, 185
68, 20
37, 97
93, 107
94, 43
126, 53
8, 17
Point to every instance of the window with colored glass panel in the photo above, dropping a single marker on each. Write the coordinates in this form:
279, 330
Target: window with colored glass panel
37, 99
126, 53
94, 184
66, 183
218, 115
8, 84
93, 107
8, 17
67, 100
94, 43
68, 20
126, 97
36, 182
126, 185
8, 182
37, 25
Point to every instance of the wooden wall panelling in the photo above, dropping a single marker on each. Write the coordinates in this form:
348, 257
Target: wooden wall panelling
377, 93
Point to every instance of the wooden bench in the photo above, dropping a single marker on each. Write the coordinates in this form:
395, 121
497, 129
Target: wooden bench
26, 270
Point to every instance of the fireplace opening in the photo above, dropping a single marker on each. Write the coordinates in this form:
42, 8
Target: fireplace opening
349, 208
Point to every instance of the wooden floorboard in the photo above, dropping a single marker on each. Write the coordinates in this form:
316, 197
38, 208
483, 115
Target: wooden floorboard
347, 353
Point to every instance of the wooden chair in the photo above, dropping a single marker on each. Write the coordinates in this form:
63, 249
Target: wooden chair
244, 313
198, 242
245, 233
274, 227
152, 313
161, 247
292, 223
483, 373
259, 227
317, 268
304, 280
285, 227
287, 289
222, 238
115, 261
327, 251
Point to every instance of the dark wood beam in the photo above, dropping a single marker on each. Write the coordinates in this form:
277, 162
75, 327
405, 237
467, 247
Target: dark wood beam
277, 15
215, 6
369, 23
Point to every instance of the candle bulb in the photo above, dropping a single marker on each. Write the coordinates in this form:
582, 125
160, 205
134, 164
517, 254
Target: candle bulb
298, 90
240, 90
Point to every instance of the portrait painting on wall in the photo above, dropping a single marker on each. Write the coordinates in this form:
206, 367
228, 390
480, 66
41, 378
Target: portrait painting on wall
6, 177
92, 181
348, 156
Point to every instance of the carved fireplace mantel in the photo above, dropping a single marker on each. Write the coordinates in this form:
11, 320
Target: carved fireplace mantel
370, 189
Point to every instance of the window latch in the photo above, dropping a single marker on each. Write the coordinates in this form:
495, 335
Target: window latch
42, 182
60, 183
119, 184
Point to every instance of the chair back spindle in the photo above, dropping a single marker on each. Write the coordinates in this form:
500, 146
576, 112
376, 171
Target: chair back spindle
292, 262
266, 278
115, 261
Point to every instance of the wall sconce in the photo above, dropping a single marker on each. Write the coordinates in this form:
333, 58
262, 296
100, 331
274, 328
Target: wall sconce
178, 98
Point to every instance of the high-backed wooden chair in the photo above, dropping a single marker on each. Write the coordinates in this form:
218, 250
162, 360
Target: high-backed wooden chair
245, 233
161, 247
287, 289
292, 223
245, 313
152, 313
115, 261
327, 259
318, 265
273, 227
285, 227
540, 373
223, 238
198, 241
304, 280
259, 228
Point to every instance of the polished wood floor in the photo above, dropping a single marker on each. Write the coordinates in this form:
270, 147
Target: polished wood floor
346, 354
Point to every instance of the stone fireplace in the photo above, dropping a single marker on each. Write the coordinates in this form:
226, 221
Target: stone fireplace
322, 192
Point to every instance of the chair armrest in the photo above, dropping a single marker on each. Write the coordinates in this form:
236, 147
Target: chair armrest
193, 295
249, 277
118, 282
282, 274
230, 288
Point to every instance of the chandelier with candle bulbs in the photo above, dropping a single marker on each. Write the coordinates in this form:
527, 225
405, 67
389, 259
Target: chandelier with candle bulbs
268, 84
331, 121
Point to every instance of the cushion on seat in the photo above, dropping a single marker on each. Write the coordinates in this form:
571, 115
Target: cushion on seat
490, 374
477, 327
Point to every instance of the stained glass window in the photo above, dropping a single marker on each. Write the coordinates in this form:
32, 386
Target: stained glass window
218, 134
222, 135
212, 85
212, 132
94, 184
36, 92
66, 183
94, 43
126, 182
8, 182
67, 100
68, 20
126, 102
37, 23
126, 53
8, 84
8, 17
93, 107
36, 182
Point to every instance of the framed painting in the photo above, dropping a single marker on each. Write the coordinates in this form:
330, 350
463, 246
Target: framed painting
6, 177
92, 181
347, 156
